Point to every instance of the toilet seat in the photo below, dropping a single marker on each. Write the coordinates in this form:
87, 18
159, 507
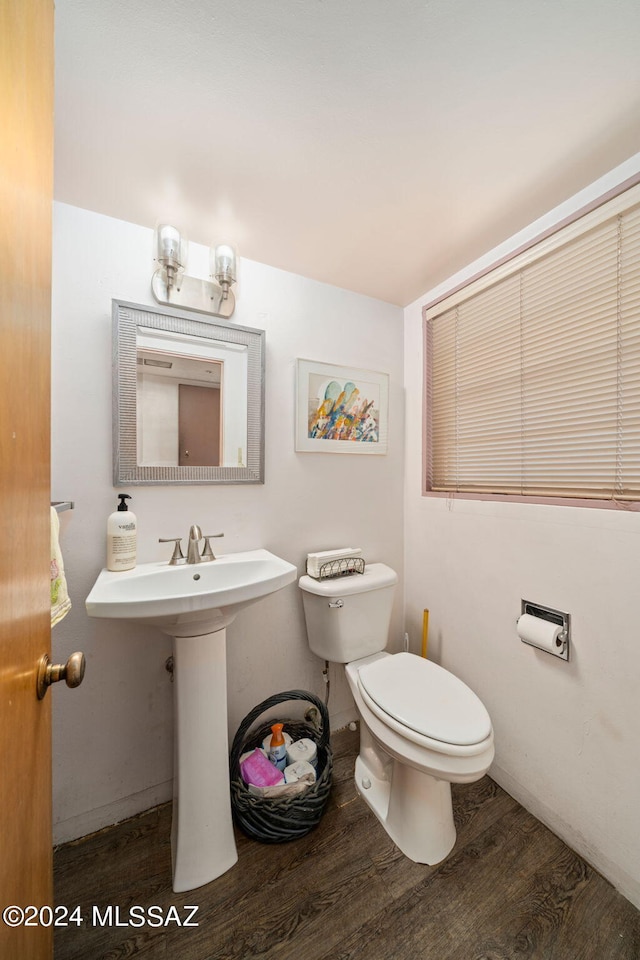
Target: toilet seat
425, 703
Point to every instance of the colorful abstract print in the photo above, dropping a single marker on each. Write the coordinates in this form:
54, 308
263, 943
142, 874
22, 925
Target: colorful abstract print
343, 414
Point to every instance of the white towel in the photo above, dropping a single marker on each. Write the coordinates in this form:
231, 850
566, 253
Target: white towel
60, 602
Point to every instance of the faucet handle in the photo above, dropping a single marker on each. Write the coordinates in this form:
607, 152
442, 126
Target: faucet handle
178, 555
207, 552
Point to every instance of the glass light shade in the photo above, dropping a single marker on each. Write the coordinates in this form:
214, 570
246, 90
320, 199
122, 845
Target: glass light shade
223, 263
170, 247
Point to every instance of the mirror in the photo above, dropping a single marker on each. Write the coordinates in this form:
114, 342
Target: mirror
188, 398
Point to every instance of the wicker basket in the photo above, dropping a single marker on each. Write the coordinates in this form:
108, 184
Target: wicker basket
278, 820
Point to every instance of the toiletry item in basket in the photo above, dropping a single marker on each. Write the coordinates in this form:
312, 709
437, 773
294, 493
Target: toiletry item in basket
266, 743
304, 749
299, 771
256, 769
277, 747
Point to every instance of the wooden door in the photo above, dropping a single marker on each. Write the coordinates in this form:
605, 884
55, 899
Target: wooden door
26, 165
198, 426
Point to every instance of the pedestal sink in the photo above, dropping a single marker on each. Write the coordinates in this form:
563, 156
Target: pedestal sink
194, 603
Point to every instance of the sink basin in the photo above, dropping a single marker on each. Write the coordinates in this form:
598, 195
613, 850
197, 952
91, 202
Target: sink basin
189, 599
194, 603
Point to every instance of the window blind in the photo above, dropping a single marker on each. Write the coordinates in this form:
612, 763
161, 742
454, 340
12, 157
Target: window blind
533, 372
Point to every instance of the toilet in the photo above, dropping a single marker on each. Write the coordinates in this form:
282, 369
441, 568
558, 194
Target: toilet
421, 728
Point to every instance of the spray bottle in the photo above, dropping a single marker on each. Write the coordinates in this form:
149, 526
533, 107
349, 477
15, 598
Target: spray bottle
277, 747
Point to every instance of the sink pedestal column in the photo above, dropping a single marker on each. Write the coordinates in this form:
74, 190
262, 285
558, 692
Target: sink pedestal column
202, 840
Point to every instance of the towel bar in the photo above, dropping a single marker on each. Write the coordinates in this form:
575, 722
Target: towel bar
62, 505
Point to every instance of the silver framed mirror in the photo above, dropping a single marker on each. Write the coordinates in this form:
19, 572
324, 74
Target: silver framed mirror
188, 398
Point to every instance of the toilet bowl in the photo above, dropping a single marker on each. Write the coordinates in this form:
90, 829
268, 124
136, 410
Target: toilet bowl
405, 776
421, 728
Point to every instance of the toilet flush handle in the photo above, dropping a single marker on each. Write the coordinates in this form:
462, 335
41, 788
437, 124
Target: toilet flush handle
336, 604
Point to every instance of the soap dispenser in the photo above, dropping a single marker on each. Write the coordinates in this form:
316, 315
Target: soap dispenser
122, 537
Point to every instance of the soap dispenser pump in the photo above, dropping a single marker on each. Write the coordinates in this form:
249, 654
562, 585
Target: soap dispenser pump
122, 537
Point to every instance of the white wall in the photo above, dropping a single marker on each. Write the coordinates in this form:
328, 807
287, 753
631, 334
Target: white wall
113, 735
566, 733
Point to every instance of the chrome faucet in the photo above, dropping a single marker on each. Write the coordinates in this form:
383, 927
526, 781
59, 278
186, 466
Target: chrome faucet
193, 552
195, 536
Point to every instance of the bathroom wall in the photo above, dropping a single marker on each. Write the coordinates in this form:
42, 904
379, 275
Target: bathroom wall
113, 735
566, 733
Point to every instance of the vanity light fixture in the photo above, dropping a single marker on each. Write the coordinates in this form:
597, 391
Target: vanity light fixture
223, 266
170, 285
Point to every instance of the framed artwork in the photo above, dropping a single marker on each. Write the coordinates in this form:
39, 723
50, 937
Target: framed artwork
340, 409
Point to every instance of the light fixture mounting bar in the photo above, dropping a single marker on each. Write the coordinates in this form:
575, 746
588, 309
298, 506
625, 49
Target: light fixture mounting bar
204, 296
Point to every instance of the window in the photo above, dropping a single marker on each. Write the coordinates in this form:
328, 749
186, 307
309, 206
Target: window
533, 370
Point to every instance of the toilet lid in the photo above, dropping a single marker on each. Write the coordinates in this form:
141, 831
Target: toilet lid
426, 698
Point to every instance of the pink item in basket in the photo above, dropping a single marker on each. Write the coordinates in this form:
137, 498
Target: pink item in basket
259, 771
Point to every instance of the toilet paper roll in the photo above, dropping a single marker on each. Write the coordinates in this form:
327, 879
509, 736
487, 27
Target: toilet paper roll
300, 770
541, 633
304, 749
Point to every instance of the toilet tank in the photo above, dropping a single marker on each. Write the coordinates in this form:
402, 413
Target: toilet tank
348, 618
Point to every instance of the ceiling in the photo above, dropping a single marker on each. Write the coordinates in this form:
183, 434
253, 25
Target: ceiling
375, 145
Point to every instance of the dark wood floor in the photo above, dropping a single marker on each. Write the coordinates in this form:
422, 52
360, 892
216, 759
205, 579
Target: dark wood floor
510, 890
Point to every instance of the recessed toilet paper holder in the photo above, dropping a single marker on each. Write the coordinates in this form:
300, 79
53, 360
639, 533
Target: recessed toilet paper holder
560, 644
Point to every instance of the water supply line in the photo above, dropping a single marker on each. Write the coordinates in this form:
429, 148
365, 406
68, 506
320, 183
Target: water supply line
311, 715
325, 674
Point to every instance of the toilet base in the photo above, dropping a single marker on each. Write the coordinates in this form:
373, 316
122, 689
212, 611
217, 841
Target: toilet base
414, 808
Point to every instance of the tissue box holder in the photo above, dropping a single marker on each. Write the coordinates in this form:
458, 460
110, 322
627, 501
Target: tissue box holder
279, 820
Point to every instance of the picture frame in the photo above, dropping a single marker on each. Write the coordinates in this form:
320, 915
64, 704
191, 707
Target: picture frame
341, 409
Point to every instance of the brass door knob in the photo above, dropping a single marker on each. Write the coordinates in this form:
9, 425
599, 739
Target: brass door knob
72, 672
